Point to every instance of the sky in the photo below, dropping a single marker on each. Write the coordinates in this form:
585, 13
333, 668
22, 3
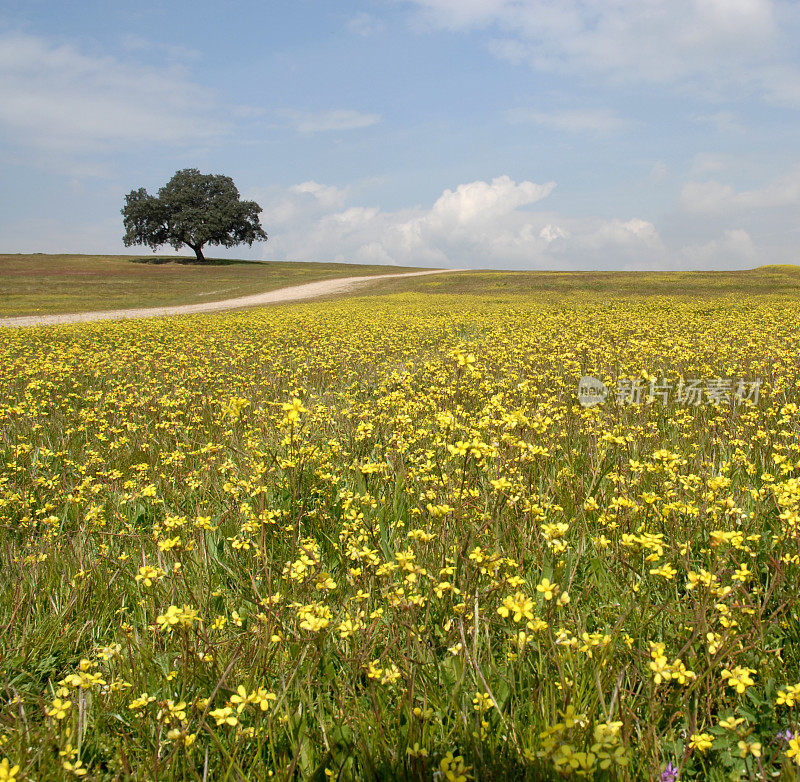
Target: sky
506, 134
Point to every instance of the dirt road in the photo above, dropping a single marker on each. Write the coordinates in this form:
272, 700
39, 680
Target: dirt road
309, 290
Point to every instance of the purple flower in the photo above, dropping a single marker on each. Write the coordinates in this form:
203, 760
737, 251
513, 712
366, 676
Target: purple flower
670, 773
785, 735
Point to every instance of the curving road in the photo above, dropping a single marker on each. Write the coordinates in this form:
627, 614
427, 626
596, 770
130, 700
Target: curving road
309, 290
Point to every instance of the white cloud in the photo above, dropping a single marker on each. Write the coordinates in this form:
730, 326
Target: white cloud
328, 196
713, 197
600, 121
477, 224
733, 249
304, 201
338, 119
635, 233
710, 45
54, 97
481, 203
552, 232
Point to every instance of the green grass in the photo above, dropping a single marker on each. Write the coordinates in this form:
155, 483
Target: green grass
41, 284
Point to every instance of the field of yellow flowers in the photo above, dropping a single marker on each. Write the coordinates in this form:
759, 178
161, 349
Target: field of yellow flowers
379, 538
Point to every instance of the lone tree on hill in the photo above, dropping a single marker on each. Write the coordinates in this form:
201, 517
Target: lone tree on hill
192, 209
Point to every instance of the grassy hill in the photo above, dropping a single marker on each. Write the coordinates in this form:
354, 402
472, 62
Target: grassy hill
50, 284
41, 284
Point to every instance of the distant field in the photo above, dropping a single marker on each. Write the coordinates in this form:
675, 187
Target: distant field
761, 281
52, 284
49, 284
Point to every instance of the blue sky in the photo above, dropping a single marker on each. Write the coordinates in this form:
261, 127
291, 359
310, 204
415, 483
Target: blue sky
563, 134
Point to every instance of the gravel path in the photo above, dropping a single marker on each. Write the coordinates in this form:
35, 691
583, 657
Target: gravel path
309, 290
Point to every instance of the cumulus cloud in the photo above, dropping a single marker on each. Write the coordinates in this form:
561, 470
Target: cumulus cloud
56, 98
714, 198
319, 122
476, 224
299, 203
708, 44
552, 232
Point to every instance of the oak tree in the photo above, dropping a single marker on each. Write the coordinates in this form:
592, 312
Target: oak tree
193, 209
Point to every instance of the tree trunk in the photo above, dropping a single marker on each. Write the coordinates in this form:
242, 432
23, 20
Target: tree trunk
198, 251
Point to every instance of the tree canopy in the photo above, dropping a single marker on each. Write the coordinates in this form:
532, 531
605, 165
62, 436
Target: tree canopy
193, 209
